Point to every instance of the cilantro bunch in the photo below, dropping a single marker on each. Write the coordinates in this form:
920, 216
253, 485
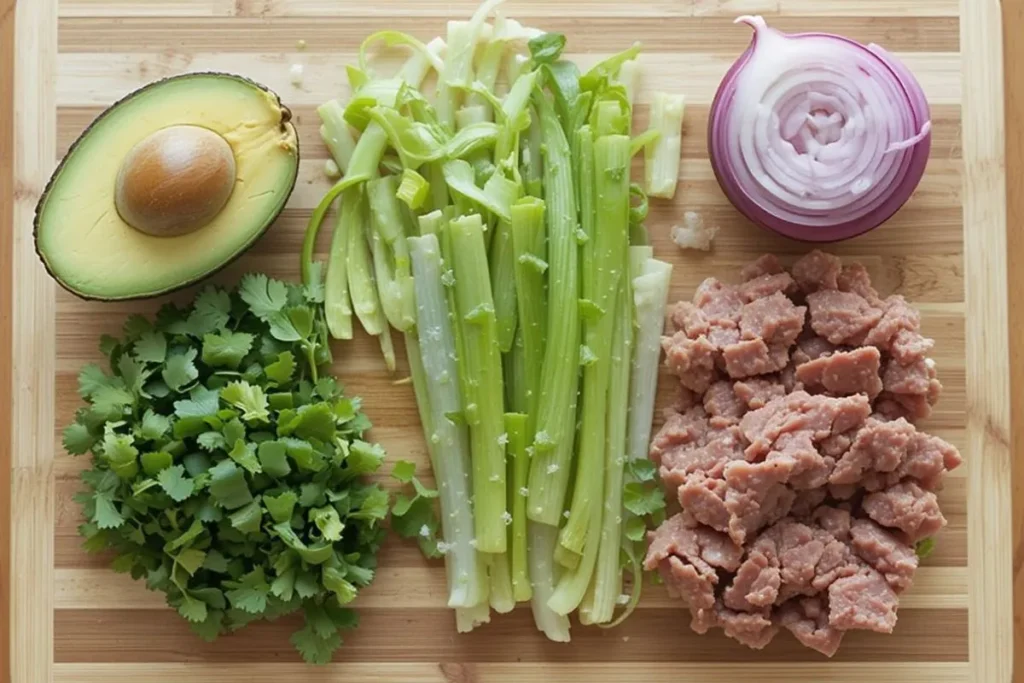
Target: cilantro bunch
226, 472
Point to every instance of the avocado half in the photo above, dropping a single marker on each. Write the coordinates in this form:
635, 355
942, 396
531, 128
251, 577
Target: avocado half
81, 233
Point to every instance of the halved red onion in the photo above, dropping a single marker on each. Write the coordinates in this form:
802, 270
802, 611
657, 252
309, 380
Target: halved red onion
817, 136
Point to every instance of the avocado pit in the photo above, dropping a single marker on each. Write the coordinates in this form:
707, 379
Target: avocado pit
175, 181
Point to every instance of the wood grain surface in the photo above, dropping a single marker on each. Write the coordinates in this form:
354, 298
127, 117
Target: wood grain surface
77, 621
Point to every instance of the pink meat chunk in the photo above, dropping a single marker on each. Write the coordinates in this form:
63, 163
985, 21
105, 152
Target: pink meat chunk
808, 620
844, 373
692, 360
680, 429
890, 557
755, 630
800, 411
767, 285
816, 271
723, 405
774, 319
754, 357
907, 507
756, 393
841, 317
811, 348
764, 265
908, 347
854, 278
688, 559
878, 447
898, 316
862, 601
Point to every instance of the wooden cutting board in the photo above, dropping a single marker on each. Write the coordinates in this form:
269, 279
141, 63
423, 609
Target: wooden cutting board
72, 619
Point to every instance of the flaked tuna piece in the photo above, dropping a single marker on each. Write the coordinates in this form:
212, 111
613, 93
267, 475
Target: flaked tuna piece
817, 270
862, 601
878, 447
689, 319
915, 379
754, 357
722, 404
756, 584
688, 558
890, 557
680, 429
807, 620
834, 520
806, 501
692, 360
753, 509
928, 459
897, 316
841, 317
718, 302
710, 458
908, 346
836, 445
767, 285
810, 348
756, 393
767, 264
844, 373
775, 319
855, 278
810, 559
755, 630
907, 507
800, 411
703, 498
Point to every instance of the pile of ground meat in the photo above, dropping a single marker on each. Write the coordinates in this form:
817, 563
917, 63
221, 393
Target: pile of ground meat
803, 483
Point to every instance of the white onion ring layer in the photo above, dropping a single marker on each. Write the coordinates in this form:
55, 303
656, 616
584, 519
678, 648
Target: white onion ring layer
817, 136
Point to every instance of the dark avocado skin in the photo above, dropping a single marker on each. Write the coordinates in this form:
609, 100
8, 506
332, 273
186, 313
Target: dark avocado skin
286, 117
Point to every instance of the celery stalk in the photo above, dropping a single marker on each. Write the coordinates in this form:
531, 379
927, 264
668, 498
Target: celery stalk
529, 245
532, 165
514, 107
414, 189
502, 262
482, 365
468, 618
391, 253
499, 573
629, 78
487, 67
599, 607
541, 542
556, 414
515, 428
604, 267
361, 285
387, 348
337, 303
650, 294
661, 160
458, 65
448, 442
336, 134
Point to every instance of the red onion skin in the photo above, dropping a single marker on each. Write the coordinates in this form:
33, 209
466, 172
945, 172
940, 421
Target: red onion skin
911, 168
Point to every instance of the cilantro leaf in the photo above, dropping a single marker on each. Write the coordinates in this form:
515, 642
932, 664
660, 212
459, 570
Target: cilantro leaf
247, 398
249, 593
211, 441
641, 500
210, 312
315, 649
77, 439
193, 610
245, 455
106, 515
135, 326
265, 297
403, 471
226, 349
201, 402
91, 378
154, 426
174, 482
180, 369
281, 370
327, 521
151, 347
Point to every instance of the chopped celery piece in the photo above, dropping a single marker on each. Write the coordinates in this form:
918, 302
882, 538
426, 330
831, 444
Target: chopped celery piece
331, 169
515, 428
607, 582
503, 285
421, 62
470, 115
391, 254
515, 106
499, 572
481, 362
432, 223
319, 213
604, 267
529, 247
473, 137
643, 141
629, 79
532, 165
556, 413
335, 133
361, 286
416, 143
602, 72
468, 618
337, 304
387, 348
650, 295
541, 542
458, 65
427, 54
661, 161
448, 442
496, 196
413, 190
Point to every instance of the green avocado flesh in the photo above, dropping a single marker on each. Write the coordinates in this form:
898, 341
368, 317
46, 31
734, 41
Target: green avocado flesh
91, 251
